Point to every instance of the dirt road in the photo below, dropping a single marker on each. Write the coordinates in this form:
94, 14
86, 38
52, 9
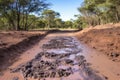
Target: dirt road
61, 56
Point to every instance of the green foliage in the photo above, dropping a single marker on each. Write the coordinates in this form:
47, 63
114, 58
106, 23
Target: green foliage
23, 14
96, 12
40, 24
58, 23
50, 16
68, 24
17, 12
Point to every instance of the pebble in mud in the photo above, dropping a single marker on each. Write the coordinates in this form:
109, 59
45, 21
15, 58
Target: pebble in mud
114, 55
69, 61
106, 77
48, 64
15, 78
39, 55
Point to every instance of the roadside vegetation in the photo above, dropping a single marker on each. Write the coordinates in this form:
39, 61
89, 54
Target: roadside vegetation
29, 14
97, 12
36, 15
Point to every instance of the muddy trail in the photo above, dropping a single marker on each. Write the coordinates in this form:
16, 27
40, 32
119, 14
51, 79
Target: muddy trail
61, 58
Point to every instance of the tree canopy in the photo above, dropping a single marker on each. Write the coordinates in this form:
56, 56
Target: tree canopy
29, 14
49, 16
94, 12
16, 12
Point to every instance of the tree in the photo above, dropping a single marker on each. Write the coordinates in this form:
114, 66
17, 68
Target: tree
17, 11
58, 23
3, 23
114, 6
80, 22
68, 24
49, 16
100, 11
40, 23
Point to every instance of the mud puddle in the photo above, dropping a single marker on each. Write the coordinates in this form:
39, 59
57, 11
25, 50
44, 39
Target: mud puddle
60, 58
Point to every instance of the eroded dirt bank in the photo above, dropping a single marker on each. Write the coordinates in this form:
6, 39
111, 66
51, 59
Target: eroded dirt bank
106, 40
12, 44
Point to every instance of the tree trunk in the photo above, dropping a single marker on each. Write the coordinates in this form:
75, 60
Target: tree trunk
18, 21
26, 21
99, 21
18, 15
117, 16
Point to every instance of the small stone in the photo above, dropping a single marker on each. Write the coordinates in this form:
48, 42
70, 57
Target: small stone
52, 75
114, 54
38, 56
28, 65
68, 61
27, 72
106, 77
15, 78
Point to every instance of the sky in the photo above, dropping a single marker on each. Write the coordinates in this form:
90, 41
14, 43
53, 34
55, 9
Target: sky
66, 8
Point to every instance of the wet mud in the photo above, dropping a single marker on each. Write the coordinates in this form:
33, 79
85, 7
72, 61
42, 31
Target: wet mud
60, 59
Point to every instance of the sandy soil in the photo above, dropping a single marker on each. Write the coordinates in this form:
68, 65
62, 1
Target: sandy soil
82, 73
91, 43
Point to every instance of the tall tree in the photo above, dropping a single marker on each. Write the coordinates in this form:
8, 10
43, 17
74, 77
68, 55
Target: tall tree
18, 11
49, 16
68, 24
100, 11
58, 23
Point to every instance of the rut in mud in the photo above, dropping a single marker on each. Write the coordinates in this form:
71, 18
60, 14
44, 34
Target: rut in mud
60, 59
